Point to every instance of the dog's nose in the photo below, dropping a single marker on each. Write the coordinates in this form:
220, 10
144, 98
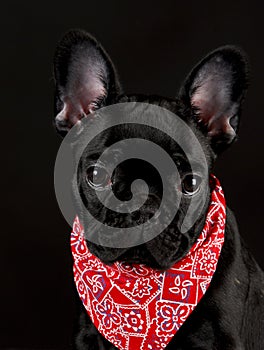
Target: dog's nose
146, 213
143, 207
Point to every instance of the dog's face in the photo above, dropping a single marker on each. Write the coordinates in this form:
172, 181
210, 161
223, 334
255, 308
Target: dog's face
209, 102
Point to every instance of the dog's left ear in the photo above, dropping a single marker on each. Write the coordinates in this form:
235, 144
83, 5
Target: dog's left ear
214, 90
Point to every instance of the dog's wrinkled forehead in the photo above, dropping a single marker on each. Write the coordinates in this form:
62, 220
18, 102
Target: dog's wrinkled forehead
162, 132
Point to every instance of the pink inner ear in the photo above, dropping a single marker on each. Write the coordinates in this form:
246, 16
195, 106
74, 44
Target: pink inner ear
79, 98
215, 108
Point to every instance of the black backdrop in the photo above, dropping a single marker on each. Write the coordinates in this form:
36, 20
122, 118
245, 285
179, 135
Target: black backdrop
153, 46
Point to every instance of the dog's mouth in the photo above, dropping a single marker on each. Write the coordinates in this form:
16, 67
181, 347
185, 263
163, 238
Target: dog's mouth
145, 254
158, 253
135, 255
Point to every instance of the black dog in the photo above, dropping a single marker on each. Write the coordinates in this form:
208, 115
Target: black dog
231, 314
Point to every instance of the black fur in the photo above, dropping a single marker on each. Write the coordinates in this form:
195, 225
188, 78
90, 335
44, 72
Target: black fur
231, 314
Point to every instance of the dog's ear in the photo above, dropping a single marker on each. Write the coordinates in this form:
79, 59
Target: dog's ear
214, 90
85, 79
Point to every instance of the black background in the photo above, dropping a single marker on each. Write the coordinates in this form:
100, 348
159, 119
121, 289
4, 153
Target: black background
153, 46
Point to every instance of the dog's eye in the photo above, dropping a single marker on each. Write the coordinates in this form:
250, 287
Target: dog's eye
97, 177
191, 184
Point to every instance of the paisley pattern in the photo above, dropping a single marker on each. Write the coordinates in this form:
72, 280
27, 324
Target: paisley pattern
136, 307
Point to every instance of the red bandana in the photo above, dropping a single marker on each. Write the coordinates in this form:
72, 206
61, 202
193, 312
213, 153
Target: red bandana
137, 307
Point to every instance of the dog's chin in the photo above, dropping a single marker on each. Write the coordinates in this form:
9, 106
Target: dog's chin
135, 255
156, 254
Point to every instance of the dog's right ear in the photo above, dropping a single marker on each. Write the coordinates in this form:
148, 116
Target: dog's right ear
85, 79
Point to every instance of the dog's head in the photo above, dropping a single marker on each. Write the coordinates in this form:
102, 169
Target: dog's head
209, 102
